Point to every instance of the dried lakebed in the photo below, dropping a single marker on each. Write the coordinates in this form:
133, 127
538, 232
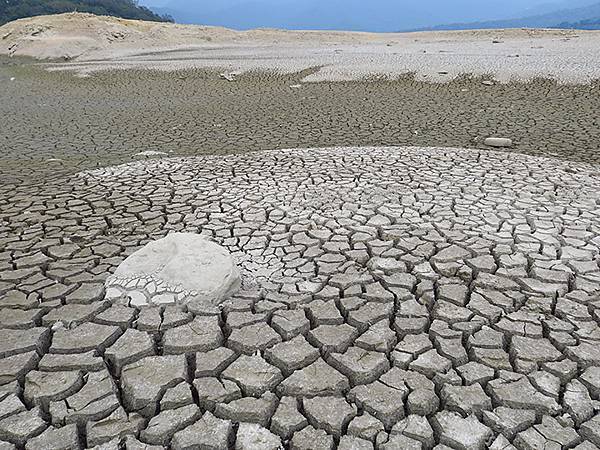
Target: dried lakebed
391, 298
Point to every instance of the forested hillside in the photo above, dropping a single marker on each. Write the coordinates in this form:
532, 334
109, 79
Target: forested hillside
128, 9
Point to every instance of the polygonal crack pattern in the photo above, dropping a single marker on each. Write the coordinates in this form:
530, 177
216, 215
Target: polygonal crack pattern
391, 298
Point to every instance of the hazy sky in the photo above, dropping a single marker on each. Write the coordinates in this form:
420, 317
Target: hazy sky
367, 15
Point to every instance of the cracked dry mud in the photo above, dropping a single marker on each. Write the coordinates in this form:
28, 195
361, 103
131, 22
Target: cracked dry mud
391, 298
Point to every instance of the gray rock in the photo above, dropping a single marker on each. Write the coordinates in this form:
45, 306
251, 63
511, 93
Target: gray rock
422, 402
417, 428
290, 323
315, 380
590, 378
253, 338
208, 433
177, 397
15, 367
359, 365
132, 346
88, 362
84, 338
382, 401
354, 443
254, 437
201, 335
117, 425
213, 362
578, 402
249, 409
332, 338
253, 374
590, 430
365, 427
41, 388
14, 342
21, 427
466, 400
65, 438
549, 434
292, 355
162, 427
96, 400
509, 421
212, 391
331, 414
184, 264
144, 382
311, 439
287, 419
461, 433
521, 394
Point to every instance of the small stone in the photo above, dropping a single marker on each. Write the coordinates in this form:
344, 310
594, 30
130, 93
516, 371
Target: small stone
11, 405
415, 427
590, 430
498, 142
422, 402
430, 363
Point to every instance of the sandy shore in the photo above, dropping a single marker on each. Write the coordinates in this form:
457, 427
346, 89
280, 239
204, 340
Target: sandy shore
90, 44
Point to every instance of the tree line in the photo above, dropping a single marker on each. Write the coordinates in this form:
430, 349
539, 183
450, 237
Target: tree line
127, 9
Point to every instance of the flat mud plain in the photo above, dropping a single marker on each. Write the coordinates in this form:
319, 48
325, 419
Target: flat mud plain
111, 116
415, 296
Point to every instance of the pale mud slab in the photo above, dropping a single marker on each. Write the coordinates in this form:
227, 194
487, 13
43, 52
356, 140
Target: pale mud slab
91, 44
397, 297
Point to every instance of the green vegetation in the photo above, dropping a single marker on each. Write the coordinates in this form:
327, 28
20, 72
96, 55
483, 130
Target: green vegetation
128, 9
